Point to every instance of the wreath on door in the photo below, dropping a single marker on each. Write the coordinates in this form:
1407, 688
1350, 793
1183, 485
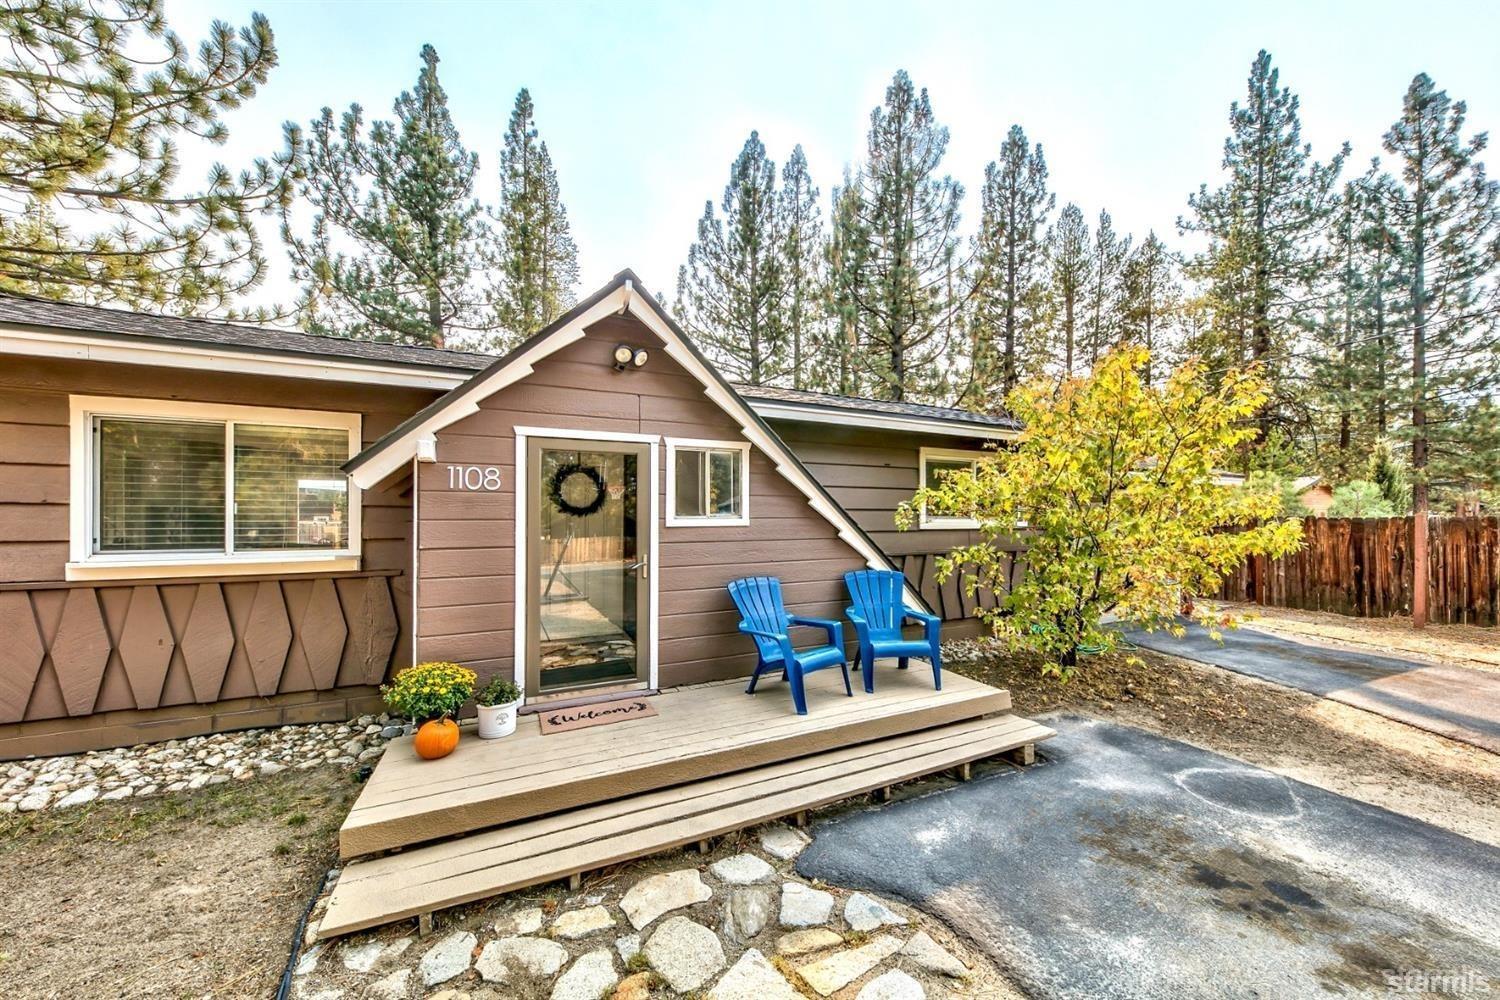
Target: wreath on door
584, 483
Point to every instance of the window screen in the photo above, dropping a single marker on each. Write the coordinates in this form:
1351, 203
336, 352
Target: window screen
288, 490
161, 486
938, 469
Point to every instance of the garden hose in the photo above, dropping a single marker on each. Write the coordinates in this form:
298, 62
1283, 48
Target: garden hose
291, 960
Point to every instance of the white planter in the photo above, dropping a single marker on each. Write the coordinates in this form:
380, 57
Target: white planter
496, 721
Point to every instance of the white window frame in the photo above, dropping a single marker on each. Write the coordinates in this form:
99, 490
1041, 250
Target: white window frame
711, 520
926, 455
86, 564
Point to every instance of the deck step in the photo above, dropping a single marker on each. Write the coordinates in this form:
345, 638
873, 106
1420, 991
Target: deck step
699, 732
419, 881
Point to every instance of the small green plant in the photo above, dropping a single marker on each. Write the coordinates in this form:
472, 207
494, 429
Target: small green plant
429, 691
499, 691
856, 938
297, 819
637, 963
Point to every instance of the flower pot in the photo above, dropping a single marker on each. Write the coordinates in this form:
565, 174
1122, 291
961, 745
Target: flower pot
496, 721
436, 739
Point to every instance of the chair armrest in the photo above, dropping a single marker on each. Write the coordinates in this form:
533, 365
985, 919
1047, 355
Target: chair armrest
834, 629
920, 616
780, 638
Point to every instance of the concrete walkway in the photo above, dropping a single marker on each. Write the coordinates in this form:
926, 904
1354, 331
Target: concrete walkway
1457, 702
1127, 865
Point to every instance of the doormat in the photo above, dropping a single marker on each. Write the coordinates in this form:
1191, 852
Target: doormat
583, 716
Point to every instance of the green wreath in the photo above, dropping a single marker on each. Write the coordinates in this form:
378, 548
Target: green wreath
560, 479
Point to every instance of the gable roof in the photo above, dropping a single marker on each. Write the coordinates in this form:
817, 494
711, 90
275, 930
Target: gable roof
623, 294
824, 407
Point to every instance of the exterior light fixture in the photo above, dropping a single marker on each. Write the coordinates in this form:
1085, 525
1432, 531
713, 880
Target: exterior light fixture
626, 356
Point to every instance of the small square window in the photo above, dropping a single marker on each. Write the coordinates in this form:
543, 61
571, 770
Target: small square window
708, 482
937, 465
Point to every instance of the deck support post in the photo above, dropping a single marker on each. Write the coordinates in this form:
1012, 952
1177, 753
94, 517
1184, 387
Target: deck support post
801, 818
964, 771
575, 881
1024, 755
883, 793
424, 925
703, 847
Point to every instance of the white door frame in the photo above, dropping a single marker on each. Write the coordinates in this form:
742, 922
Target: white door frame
523, 581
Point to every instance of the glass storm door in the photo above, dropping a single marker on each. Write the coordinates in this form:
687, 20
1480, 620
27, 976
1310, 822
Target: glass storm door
588, 525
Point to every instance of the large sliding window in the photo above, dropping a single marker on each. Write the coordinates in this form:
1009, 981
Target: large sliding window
167, 484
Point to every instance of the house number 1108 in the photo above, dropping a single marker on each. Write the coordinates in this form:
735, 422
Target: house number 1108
473, 477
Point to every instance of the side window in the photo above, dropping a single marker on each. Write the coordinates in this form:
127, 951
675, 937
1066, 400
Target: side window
708, 482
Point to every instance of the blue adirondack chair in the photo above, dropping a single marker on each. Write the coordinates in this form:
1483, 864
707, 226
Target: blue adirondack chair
765, 619
878, 614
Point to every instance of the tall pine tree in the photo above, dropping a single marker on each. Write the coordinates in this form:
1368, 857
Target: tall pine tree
841, 342
732, 291
1014, 205
1070, 265
899, 270
397, 234
1107, 255
803, 256
1263, 225
537, 260
1150, 302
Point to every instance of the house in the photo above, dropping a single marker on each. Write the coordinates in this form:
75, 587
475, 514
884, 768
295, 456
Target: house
207, 526
1315, 493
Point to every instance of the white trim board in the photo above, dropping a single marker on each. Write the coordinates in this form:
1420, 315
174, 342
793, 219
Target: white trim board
739, 520
522, 605
808, 413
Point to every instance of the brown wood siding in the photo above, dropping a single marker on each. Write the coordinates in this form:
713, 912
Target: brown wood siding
89, 681
466, 584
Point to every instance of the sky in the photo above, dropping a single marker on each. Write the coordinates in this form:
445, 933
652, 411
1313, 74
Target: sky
644, 106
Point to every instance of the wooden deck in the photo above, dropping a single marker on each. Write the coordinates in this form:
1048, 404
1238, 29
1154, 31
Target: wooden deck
417, 882
700, 733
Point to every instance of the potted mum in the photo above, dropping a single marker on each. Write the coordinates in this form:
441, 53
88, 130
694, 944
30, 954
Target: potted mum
497, 701
430, 695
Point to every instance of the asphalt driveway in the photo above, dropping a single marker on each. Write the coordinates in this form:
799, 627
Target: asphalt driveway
1457, 702
1127, 865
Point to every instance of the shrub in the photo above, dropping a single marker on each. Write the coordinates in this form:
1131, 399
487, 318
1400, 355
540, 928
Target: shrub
429, 691
498, 691
1360, 498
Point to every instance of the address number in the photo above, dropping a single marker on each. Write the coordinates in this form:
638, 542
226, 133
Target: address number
477, 478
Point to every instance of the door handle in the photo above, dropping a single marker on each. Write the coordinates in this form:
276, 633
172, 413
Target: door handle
644, 566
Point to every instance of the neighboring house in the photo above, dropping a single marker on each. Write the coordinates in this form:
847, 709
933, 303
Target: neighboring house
182, 551
1315, 493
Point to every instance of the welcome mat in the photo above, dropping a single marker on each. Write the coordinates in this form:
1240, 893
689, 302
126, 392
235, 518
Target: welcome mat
561, 720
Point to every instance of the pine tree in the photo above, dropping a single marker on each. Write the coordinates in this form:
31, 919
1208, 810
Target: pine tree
537, 261
841, 341
900, 269
803, 256
93, 101
1070, 263
1263, 224
1014, 204
402, 198
1150, 303
732, 290
1445, 217
1108, 253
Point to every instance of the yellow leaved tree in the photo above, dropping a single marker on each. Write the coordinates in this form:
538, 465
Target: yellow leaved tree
1112, 487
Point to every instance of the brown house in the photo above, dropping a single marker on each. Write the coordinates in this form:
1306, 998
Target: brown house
206, 526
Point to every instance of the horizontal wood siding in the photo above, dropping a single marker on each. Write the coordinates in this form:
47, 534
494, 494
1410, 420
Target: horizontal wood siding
34, 551
469, 540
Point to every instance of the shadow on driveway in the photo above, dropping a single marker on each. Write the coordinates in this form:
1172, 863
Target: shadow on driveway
1457, 702
1127, 865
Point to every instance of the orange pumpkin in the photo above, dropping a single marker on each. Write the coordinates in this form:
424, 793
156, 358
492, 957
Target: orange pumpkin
436, 739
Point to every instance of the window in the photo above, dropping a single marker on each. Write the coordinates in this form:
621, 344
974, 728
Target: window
708, 482
159, 486
937, 463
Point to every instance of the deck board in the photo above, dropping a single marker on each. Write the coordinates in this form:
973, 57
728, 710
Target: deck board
698, 732
382, 890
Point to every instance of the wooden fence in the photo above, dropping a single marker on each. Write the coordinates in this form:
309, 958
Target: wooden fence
1363, 566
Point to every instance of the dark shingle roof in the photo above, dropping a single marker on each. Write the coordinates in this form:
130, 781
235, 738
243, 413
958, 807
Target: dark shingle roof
100, 321
802, 397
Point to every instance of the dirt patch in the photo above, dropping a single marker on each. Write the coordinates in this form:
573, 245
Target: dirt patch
1302, 736
1461, 645
192, 894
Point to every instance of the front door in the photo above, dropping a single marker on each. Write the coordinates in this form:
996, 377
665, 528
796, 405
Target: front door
588, 515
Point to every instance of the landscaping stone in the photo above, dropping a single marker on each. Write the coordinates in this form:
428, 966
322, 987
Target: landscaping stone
804, 906
810, 940
392, 987
928, 955
742, 869
829, 975
687, 954
446, 959
628, 945
587, 978
753, 977
362, 958
655, 895
577, 924
783, 842
527, 921
893, 985
865, 913
80, 797
748, 911
534, 958
636, 987
308, 961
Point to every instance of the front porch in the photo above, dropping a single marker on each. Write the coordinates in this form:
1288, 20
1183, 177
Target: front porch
500, 815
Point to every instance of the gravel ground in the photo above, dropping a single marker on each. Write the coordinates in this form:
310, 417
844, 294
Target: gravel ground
1464, 645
